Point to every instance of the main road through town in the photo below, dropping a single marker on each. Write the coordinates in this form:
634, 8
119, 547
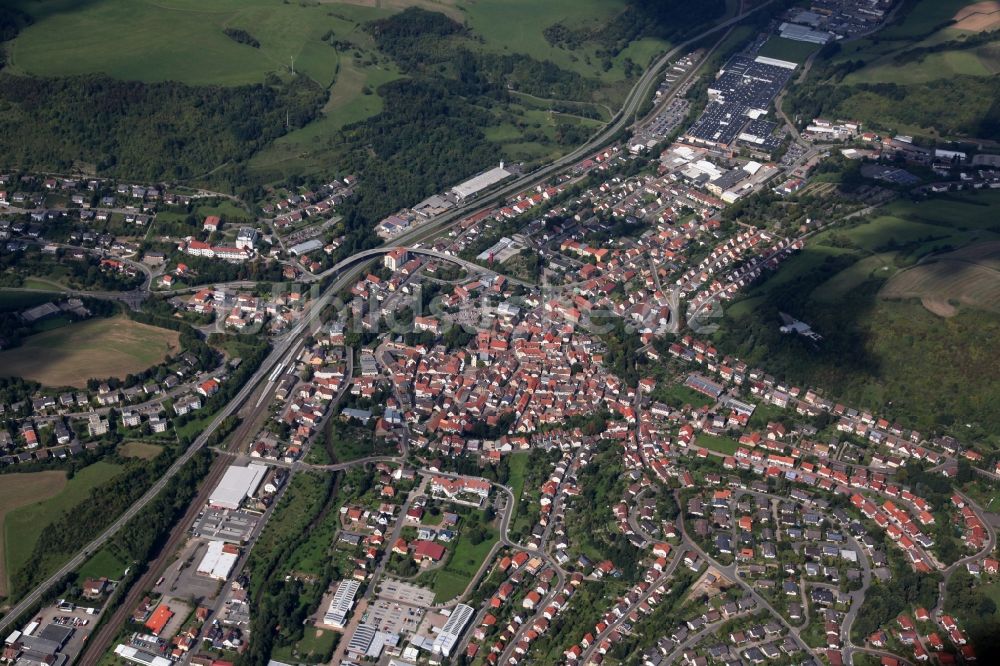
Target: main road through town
348, 270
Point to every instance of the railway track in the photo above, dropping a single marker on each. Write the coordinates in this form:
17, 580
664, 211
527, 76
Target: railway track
97, 645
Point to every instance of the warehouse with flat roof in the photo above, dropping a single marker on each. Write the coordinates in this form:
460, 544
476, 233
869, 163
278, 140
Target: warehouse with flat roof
141, 657
305, 247
801, 33
219, 560
452, 630
341, 604
479, 183
236, 485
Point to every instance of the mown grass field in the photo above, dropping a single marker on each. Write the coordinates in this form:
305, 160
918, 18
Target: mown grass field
17, 490
902, 233
104, 563
929, 73
945, 282
316, 645
140, 450
971, 62
183, 40
724, 445
72, 354
924, 16
50, 495
506, 29
925, 24
463, 562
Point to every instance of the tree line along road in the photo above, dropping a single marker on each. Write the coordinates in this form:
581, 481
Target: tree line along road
351, 271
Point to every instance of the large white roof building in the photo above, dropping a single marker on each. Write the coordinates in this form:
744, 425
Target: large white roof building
481, 182
237, 484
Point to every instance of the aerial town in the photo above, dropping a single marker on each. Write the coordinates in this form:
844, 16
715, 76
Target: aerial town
506, 431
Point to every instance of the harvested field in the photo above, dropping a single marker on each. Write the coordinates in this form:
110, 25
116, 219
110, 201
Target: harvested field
978, 17
17, 490
970, 277
70, 355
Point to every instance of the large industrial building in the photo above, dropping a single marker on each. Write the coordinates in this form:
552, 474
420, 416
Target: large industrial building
801, 33
341, 604
141, 657
742, 92
219, 560
452, 630
478, 183
237, 484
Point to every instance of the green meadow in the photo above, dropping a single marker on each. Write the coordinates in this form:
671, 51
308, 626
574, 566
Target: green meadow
894, 355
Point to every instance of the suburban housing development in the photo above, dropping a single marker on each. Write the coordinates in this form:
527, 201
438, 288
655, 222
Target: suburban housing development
622, 406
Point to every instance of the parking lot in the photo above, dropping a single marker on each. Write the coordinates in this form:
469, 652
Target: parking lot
78, 621
182, 580
225, 525
394, 617
405, 593
182, 611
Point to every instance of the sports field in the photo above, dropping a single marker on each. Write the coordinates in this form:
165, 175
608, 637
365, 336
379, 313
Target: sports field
17, 490
70, 355
29, 503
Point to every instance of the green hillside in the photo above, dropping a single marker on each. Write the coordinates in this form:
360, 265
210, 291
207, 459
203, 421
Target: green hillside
932, 73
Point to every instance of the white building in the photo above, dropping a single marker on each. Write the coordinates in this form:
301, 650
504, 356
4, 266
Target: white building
480, 182
136, 656
305, 247
452, 629
246, 238
237, 484
341, 604
219, 560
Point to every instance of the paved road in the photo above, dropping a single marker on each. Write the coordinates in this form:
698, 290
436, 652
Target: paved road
613, 626
349, 271
278, 353
730, 573
100, 642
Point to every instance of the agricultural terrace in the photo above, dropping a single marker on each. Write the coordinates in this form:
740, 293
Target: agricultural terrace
966, 277
72, 354
30, 502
